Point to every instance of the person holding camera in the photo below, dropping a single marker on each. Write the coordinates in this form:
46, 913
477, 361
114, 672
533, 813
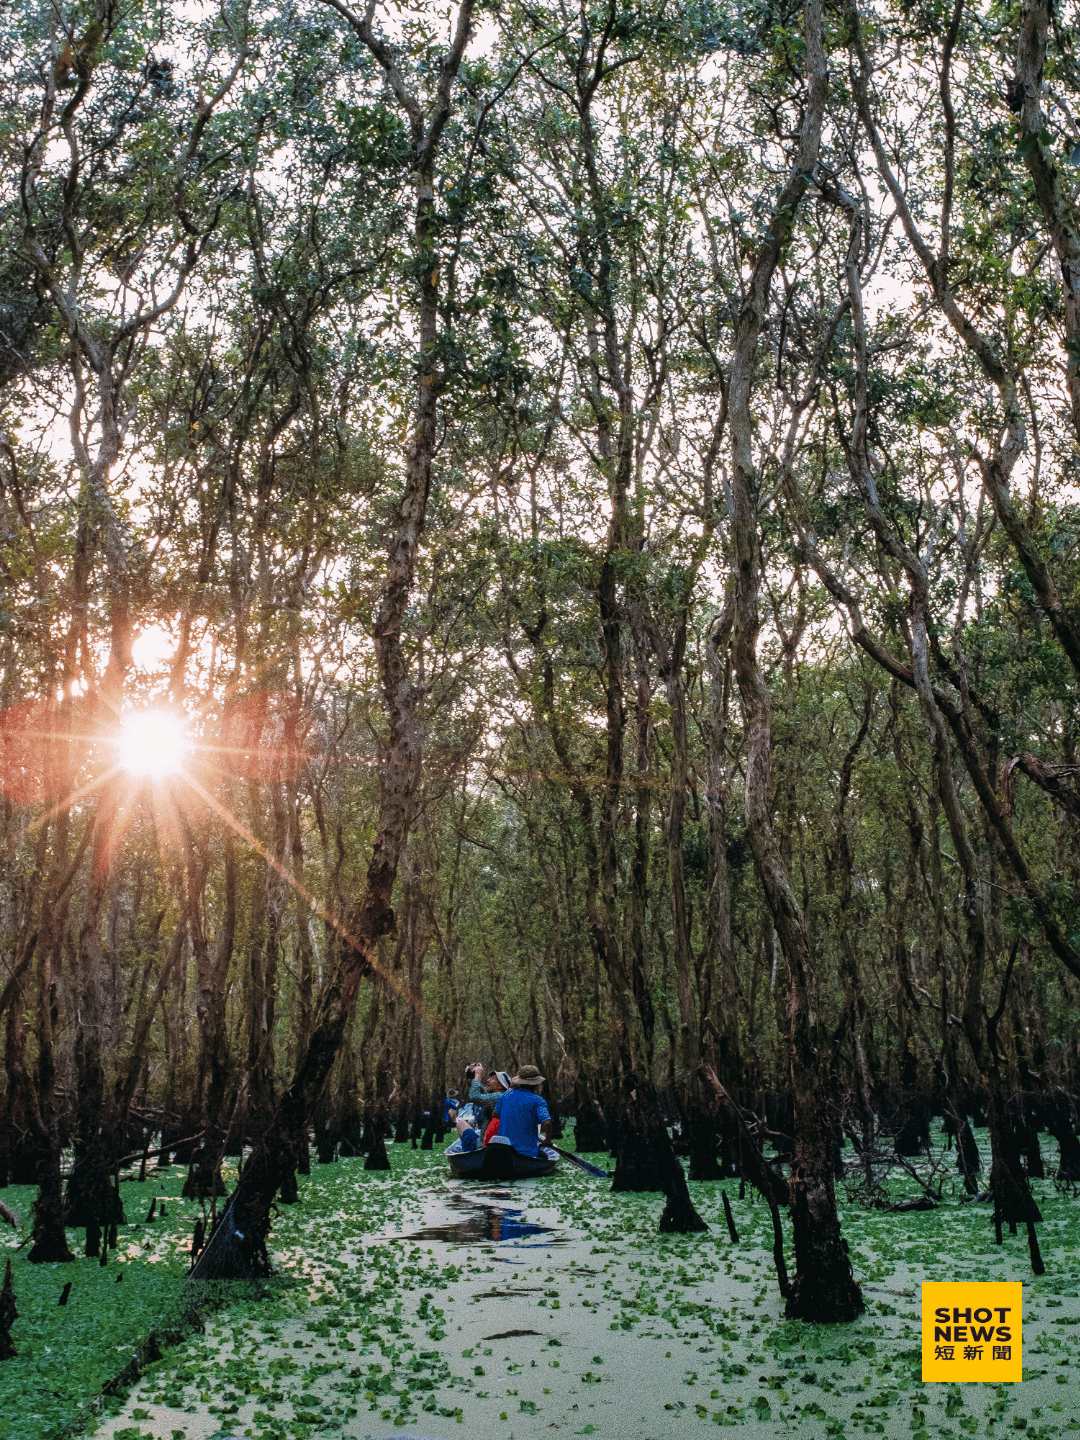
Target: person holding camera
474, 1114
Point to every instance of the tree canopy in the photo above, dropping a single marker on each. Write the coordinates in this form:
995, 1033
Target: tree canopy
599, 488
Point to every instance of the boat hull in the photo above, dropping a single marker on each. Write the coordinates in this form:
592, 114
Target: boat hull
499, 1162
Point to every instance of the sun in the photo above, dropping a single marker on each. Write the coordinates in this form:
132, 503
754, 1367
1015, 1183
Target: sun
152, 743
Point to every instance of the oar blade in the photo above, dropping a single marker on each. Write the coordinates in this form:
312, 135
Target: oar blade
583, 1164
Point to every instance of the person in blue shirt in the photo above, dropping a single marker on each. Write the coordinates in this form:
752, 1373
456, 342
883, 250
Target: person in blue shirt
522, 1112
450, 1109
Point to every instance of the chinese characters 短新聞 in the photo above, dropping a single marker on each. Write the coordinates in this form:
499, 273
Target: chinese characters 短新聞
972, 1352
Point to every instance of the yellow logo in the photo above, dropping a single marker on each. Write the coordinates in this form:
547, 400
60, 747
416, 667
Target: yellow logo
972, 1330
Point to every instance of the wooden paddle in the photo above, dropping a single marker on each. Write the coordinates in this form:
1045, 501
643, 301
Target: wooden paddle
581, 1164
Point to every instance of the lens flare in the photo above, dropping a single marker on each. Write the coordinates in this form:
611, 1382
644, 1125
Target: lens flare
152, 743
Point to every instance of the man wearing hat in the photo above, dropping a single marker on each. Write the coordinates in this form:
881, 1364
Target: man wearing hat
522, 1112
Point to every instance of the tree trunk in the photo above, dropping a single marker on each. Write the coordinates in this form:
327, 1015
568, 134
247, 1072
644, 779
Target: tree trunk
49, 1236
212, 966
19, 1139
824, 1287
89, 1193
369, 920
719, 987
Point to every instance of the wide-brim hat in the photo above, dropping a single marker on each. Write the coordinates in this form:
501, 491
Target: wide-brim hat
528, 1075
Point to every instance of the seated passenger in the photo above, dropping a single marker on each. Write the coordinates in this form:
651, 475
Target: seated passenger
467, 1133
498, 1081
466, 1106
522, 1112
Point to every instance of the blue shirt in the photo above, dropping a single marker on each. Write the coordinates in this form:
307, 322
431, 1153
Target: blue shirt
450, 1103
520, 1113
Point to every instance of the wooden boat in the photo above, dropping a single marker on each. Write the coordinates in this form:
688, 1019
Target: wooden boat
498, 1160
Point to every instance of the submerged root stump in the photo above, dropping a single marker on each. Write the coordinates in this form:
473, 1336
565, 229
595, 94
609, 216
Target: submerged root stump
8, 1315
825, 1288
377, 1158
231, 1253
680, 1217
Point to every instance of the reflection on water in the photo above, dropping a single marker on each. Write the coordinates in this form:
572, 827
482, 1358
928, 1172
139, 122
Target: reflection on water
491, 1223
